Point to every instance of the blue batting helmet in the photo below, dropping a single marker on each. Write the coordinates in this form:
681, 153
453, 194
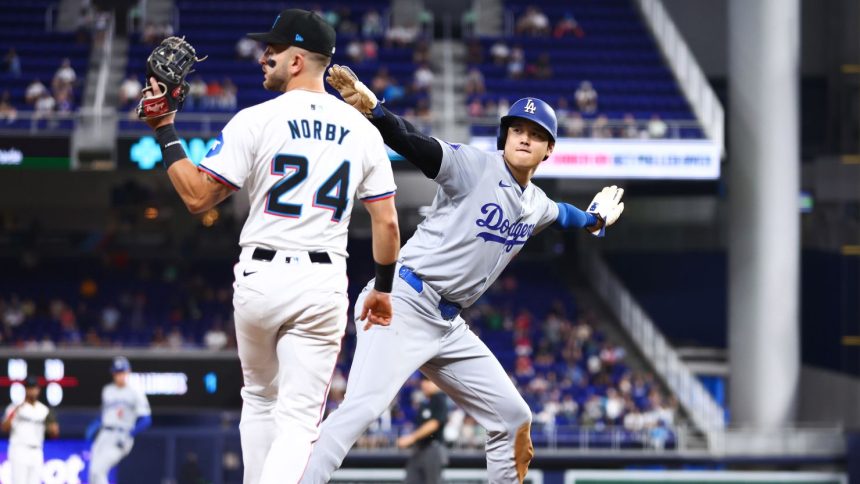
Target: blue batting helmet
534, 110
120, 363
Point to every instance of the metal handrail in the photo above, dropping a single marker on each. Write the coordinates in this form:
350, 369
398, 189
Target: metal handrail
104, 71
704, 411
690, 77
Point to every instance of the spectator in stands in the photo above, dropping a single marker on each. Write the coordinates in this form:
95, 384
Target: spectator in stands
196, 93
110, 319
516, 62
12, 63
474, 82
657, 128
424, 116
129, 90
421, 53
229, 96
175, 340
355, 51
215, 337
503, 107
423, 78
629, 128
63, 101
568, 26
214, 91
371, 24
474, 53
248, 49
371, 49
542, 69
380, 81
45, 106
533, 22
154, 33
65, 76
476, 109
500, 52
7, 110
586, 97
402, 35
575, 125
562, 108
600, 128
34, 91
346, 25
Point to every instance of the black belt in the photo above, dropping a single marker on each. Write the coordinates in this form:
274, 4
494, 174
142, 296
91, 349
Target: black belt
267, 255
117, 429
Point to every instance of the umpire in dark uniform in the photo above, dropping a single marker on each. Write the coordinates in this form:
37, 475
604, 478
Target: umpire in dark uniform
429, 455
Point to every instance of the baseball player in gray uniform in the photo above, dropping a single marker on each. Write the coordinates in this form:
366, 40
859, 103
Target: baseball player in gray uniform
125, 413
485, 209
303, 157
27, 424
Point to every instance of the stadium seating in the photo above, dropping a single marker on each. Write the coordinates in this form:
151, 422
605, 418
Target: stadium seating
233, 21
551, 348
22, 27
616, 54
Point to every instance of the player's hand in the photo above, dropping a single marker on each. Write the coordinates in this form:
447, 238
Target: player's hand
405, 442
352, 90
154, 91
377, 309
607, 207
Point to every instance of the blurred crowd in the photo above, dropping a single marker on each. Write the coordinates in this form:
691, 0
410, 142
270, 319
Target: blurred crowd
45, 101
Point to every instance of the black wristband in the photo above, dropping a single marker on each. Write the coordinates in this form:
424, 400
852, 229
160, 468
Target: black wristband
384, 276
171, 147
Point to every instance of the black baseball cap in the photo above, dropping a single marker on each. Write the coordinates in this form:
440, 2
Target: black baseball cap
302, 29
31, 381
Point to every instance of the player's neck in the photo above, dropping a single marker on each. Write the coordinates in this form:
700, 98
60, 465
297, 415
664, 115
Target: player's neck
313, 84
31, 401
522, 175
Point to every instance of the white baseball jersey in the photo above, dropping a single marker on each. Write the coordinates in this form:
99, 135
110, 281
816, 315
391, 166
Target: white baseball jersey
303, 156
28, 425
121, 406
479, 221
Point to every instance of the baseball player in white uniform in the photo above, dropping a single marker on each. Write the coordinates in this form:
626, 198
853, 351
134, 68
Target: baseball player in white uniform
485, 209
28, 423
302, 157
125, 413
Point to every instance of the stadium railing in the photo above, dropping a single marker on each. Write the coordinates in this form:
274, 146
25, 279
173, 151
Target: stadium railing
690, 77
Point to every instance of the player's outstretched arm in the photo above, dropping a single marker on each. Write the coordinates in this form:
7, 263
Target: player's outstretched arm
386, 248
6, 426
602, 212
419, 149
198, 190
52, 427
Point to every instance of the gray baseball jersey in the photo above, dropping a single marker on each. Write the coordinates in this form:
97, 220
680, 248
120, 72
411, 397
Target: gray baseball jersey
479, 221
121, 406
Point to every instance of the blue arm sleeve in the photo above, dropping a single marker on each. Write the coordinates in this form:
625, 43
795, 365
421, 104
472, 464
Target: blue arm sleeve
141, 424
571, 217
92, 429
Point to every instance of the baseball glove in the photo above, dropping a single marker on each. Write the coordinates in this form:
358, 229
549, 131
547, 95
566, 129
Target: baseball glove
353, 91
169, 63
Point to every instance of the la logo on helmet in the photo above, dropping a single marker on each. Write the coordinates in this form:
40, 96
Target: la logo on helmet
530, 107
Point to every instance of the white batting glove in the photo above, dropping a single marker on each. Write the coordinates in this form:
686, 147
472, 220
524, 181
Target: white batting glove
607, 207
352, 90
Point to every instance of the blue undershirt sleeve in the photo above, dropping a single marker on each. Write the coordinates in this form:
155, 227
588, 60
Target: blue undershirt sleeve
570, 217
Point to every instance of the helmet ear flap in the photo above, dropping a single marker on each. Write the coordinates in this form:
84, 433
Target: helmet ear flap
503, 135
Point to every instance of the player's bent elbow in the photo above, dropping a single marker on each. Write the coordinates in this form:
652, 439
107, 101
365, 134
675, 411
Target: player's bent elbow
197, 206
